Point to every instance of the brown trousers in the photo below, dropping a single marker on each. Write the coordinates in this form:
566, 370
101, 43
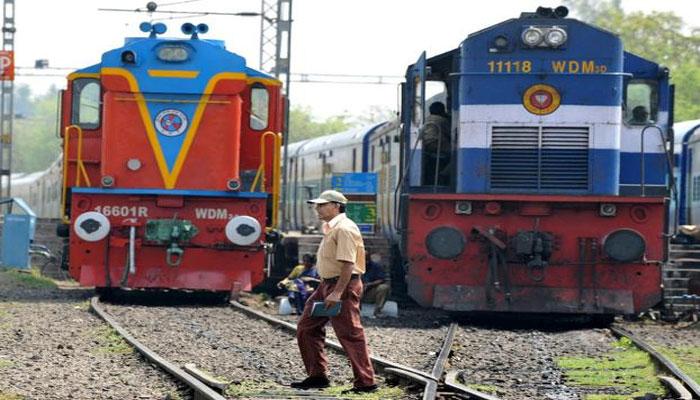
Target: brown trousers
311, 334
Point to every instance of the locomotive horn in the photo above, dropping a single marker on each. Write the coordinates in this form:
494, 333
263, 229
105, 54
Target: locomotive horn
145, 27
159, 28
546, 12
202, 28
561, 11
188, 28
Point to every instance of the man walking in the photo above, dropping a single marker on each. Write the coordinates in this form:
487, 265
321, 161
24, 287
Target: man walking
340, 263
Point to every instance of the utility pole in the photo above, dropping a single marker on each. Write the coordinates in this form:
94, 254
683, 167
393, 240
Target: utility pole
6, 95
275, 55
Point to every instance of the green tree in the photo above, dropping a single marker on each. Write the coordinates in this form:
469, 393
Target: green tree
35, 145
302, 124
662, 37
375, 114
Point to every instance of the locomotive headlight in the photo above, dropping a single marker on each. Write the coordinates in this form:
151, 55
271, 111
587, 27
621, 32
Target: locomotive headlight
532, 36
91, 226
243, 230
555, 37
173, 53
624, 245
445, 242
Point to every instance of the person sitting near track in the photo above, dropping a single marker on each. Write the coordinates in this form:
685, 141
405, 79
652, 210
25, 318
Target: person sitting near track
301, 282
376, 286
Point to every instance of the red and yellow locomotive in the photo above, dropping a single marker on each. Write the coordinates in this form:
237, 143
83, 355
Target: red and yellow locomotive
171, 165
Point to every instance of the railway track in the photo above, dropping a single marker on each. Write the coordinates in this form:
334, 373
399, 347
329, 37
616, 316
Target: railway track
426, 382
679, 382
437, 384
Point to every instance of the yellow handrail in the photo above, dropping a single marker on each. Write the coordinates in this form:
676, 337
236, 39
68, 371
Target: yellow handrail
80, 167
260, 175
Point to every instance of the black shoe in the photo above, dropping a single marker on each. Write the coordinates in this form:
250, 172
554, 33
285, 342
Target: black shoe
312, 382
362, 389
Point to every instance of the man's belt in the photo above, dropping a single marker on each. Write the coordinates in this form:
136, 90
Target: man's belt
335, 278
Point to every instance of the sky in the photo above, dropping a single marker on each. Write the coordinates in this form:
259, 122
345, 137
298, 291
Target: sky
358, 37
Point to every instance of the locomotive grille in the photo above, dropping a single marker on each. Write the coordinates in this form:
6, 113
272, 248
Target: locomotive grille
539, 158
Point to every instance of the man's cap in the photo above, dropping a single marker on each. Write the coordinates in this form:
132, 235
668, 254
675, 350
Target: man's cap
329, 196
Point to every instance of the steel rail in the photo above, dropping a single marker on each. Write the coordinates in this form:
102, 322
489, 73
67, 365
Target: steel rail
431, 386
451, 382
439, 367
379, 361
661, 359
429, 381
201, 390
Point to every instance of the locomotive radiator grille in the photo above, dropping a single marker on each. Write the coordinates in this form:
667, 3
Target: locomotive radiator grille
539, 158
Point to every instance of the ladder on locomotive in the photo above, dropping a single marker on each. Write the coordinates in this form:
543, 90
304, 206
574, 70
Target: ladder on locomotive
679, 273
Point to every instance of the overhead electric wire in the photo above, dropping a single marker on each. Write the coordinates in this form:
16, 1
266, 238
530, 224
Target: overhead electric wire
178, 2
201, 13
298, 77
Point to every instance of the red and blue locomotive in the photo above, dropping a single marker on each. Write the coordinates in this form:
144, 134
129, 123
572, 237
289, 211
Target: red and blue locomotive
552, 197
171, 165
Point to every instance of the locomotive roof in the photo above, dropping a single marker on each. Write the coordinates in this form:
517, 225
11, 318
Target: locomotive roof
205, 57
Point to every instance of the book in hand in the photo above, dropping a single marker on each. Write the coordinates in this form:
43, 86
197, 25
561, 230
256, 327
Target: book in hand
318, 309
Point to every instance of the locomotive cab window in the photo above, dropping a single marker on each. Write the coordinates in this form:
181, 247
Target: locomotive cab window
417, 101
641, 102
259, 107
86, 103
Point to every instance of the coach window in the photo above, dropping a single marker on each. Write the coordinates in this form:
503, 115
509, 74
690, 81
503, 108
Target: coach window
86, 103
641, 102
259, 107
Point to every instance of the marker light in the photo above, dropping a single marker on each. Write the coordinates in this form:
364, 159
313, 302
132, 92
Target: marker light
532, 36
501, 42
555, 37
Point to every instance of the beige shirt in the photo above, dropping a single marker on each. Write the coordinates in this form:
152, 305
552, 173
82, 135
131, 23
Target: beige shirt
342, 241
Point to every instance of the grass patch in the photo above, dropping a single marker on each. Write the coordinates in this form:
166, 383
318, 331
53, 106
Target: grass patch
488, 389
686, 358
111, 342
6, 363
10, 396
269, 388
30, 279
624, 368
83, 305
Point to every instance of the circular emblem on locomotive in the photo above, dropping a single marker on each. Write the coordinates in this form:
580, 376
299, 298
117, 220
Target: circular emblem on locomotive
171, 122
541, 99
